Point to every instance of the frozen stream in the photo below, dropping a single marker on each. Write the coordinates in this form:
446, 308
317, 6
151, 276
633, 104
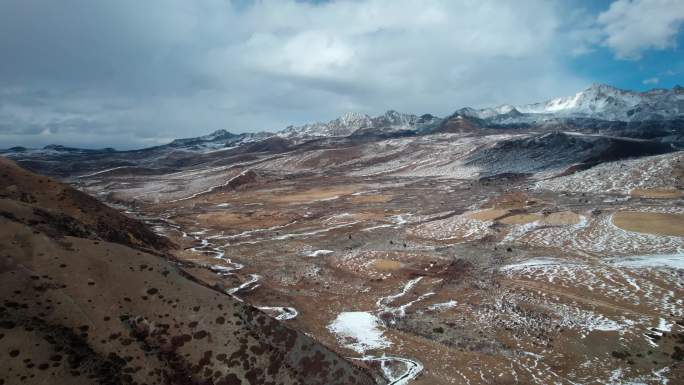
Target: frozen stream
364, 328
206, 246
397, 370
280, 313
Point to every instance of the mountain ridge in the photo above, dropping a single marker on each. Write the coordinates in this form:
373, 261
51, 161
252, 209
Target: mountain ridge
594, 108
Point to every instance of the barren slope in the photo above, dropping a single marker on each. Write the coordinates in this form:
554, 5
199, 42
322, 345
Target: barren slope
79, 305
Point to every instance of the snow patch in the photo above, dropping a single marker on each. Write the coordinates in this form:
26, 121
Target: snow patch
359, 331
668, 261
318, 253
443, 305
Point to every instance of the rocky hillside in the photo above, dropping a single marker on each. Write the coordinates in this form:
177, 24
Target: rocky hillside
85, 297
555, 151
57, 206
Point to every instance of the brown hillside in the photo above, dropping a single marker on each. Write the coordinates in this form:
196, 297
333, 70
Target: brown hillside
78, 305
54, 200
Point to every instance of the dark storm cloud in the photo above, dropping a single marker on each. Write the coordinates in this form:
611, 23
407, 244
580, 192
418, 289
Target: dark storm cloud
79, 43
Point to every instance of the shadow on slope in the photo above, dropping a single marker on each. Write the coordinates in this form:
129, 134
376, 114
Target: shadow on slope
556, 152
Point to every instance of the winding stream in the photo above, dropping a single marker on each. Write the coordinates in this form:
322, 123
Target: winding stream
397, 370
281, 313
365, 329
161, 225
411, 369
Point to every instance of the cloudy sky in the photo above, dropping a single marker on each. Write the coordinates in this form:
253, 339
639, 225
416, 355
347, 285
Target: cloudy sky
131, 73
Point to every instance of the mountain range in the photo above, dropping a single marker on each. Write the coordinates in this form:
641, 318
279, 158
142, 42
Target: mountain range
599, 101
600, 109
598, 124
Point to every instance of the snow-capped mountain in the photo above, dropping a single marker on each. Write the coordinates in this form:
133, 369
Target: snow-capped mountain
356, 123
343, 126
599, 101
486, 113
635, 118
595, 107
216, 136
218, 140
599, 104
599, 109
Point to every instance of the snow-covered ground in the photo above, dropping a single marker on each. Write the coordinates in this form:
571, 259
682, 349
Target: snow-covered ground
638, 281
594, 234
620, 176
668, 261
457, 228
359, 331
281, 313
318, 253
362, 331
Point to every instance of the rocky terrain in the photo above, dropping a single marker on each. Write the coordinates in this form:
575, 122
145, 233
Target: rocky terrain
89, 295
537, 244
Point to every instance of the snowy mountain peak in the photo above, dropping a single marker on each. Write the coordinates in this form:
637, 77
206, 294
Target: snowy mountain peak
354, 122
601, 101
598, 101
393, 115
218, 134
602, 87
394, 118
505, 109
351, 118
485, 113
343, 126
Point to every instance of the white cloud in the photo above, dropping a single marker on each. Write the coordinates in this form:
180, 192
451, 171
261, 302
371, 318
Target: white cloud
205, 65
633, 26
580, 30
652, 81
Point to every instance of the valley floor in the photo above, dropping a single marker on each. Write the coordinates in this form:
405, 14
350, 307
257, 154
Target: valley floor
577, 279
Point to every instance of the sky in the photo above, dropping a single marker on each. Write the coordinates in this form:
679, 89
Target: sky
130, 73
